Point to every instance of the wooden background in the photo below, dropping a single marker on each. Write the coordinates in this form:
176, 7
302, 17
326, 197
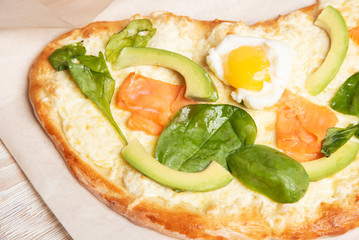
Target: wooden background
23, 214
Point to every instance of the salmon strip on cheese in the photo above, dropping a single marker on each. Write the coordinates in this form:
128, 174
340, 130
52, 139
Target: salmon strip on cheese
354, 34
301, 126
152, 102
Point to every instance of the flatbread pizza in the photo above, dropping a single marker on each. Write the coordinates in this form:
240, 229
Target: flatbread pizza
211, 129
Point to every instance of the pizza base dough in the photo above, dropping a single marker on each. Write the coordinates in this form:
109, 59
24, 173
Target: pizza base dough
177, 220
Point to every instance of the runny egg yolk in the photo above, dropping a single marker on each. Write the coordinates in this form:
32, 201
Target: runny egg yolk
247, 67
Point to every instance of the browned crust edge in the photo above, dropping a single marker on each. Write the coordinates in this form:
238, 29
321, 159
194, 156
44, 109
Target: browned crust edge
179, 222
312, 10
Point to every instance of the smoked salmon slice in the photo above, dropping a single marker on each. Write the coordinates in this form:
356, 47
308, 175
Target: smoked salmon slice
151, 102
301, 126
354, 34
140, 123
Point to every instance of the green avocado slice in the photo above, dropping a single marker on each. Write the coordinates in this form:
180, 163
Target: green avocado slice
199, 84
334, 24
211, 178
325, 167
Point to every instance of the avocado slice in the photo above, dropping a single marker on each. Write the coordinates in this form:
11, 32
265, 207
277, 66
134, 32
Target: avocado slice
211, 178
334, 24
199, 84
325, 167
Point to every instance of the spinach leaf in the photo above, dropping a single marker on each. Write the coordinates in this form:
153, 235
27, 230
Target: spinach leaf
136, 34
337, 137
270, 172
96, 83
356, 134
346, 100
59, 58
198, 134
91, 75
96, 64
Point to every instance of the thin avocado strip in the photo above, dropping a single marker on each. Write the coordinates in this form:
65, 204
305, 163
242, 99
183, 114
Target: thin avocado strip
325, 167
199, 85
334, 24
211, 178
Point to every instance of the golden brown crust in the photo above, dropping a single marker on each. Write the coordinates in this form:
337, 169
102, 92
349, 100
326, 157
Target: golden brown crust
178, 221
270, 24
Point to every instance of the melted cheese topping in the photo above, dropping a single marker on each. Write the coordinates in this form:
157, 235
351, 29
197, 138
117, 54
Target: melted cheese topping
89, 132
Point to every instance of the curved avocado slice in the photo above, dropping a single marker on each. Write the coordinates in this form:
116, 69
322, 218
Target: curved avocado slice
199, 84
325, 167
211, 178
333, 23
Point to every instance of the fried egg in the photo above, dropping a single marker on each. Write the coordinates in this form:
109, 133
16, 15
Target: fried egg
259, 69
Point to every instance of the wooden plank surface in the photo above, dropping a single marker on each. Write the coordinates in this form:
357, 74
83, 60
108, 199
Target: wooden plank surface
23, 214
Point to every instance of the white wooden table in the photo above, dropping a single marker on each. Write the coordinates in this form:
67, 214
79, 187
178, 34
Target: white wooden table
23, 214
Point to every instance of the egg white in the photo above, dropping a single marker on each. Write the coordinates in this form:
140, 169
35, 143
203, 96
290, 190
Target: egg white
280, 56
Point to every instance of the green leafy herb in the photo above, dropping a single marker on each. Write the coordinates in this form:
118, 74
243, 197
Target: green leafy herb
198, 134
270, 172
96, 83
94, 63
59, 58
346, 100
356, 134
91, 75
136, 34
337, 137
